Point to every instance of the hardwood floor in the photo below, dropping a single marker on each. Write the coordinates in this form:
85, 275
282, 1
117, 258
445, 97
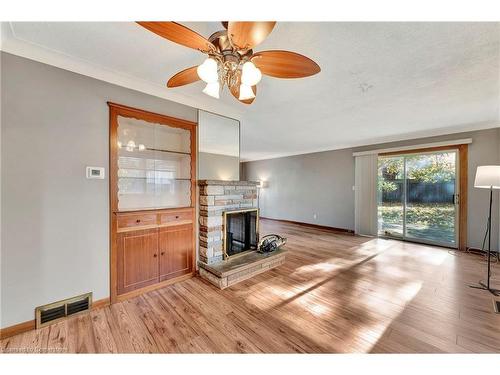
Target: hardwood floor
335, 293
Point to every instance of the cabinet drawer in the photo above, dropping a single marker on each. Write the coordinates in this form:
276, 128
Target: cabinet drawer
139, 220
175, 217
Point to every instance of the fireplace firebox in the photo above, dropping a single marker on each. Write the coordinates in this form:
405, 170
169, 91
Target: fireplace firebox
241, 231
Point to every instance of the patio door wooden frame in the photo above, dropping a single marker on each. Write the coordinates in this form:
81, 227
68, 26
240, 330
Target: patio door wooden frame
462, 184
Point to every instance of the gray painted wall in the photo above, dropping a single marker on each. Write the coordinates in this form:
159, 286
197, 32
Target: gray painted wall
298, 187
54, 222
218, 167
55, 241
321, 183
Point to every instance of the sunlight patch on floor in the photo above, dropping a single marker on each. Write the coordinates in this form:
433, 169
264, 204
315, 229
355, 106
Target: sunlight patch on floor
429, 255
434, 257
371, 333
408, 291
378, 244
359, 333
318, 268
310, 303
359, 321
269, 293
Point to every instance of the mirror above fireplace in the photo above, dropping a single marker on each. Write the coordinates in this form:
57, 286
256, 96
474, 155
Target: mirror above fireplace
219, 147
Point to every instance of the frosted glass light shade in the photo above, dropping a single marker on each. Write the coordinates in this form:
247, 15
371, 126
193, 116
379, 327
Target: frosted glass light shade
246, 92
487, 176
208, 71
250, 74
130, 146
212, 89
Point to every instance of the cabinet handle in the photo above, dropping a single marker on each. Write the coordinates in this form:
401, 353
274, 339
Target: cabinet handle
155, 255
138, 221
162, 253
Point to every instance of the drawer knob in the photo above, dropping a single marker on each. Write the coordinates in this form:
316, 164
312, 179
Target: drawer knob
176, 216
155, 255
162, 253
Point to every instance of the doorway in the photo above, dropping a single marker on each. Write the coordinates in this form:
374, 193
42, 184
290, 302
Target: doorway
418, 197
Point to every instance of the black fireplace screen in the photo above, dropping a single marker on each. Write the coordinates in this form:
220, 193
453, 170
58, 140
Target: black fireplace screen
242, 231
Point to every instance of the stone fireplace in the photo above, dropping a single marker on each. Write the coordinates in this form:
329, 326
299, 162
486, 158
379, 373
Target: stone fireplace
216, 198
229, 233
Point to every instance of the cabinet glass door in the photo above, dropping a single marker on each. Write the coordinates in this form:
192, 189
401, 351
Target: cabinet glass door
154, 165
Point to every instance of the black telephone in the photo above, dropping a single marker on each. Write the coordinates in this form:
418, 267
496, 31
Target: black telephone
270, 242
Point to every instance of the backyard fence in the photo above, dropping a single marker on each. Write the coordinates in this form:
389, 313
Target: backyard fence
421, 192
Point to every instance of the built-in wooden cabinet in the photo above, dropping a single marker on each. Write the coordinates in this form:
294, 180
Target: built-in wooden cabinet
152, 200
152, 252
137, 259
176, 253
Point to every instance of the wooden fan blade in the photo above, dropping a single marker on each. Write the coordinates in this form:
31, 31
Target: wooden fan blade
246, 35
179, 34
184, 77
235, 90
284, 64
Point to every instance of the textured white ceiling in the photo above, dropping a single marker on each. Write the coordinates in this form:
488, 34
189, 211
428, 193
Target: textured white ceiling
379, 81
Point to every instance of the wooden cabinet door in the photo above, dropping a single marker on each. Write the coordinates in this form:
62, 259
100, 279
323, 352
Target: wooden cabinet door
137, 259
176, 251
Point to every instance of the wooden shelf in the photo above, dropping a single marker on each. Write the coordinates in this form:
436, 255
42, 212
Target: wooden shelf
153, 178
157, 149
153, 226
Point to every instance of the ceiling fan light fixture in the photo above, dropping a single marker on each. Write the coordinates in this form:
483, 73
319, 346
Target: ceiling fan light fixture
246, 92
229, 56
212, 89
208, 71
250, 74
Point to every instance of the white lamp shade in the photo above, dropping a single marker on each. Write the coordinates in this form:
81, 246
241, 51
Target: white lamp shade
212, 89
208, 71
487, 176
250, 74
246, 92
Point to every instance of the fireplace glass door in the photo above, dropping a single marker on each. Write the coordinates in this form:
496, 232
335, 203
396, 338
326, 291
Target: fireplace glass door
241, 231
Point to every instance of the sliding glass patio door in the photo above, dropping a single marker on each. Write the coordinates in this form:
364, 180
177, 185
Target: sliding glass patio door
418, 197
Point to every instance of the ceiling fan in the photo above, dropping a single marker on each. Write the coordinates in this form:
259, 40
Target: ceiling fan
231, 60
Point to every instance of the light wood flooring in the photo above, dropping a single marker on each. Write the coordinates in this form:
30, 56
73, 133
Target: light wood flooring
335, 293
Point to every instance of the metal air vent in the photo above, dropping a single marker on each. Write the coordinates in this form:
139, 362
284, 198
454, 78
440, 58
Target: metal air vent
53, 312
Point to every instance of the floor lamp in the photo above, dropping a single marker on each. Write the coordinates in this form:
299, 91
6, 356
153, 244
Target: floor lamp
488, 177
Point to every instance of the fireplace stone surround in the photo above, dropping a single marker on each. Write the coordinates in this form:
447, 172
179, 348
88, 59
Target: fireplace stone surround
217, 197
